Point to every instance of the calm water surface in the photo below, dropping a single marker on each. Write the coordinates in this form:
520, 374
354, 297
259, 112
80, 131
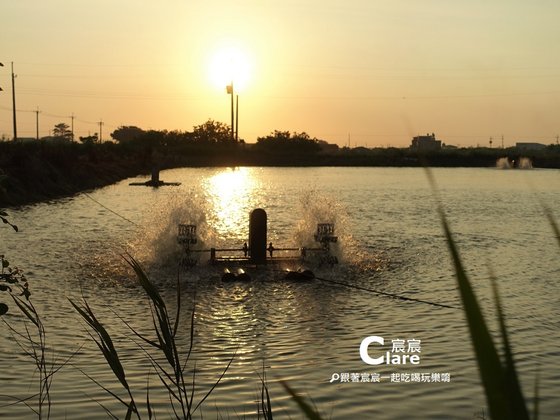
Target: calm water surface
390, 240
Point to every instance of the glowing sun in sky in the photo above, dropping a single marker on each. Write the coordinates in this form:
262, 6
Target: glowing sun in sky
229, 64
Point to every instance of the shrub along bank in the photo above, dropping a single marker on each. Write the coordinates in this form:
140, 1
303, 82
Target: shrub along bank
36, 171
39, 170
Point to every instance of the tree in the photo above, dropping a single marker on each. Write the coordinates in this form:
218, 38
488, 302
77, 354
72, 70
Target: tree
62, 131
212, 132
284, 142
126, 134
89, 139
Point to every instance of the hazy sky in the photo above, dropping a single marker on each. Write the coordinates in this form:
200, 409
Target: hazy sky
369, 71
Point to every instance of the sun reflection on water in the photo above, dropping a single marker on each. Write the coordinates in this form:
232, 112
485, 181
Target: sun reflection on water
231, 194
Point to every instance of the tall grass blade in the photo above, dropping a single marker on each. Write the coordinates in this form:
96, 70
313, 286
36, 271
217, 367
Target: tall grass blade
191, 342
18, 401
129, 413
536, 398
266, 406
148, 404
513, 388
552, 221
268, 403
491, 371
136, 333
108, 391
178, 312
148, 286
216, 383
27, 310
105, 343
307, 409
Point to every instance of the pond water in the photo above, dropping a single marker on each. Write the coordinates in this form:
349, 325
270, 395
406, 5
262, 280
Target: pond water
390, 240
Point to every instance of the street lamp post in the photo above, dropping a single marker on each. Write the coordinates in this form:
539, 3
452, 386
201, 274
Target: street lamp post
236, 118
14, 100
234, 123
229, 90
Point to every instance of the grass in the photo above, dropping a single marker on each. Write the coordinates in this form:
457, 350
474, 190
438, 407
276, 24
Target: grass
498, 375
32, 342
161, 350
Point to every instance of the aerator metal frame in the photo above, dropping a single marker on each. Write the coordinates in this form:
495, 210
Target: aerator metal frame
256, 252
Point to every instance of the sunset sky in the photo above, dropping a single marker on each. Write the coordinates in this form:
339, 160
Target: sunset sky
368, 72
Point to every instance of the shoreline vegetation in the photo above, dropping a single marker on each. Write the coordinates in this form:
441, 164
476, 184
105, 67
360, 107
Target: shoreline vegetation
38, 170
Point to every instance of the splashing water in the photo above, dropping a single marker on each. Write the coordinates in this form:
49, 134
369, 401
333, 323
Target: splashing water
157, 243
525, 163
355, 260
503, 163
318, 208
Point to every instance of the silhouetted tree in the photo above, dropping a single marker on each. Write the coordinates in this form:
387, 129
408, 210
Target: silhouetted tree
62, 131
284, 142
127, 133
89, 139
212, 132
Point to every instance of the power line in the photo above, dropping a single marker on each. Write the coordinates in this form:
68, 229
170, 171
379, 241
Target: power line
107, 208
381, 293
46, 114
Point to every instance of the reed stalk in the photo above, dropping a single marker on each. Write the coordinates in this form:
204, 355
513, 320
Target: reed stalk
160, 348
499, 377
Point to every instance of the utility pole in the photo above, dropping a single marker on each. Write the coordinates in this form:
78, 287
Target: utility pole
37, 122
502, 141
490, 142
72, 126
236, 118
100, 131
14, 100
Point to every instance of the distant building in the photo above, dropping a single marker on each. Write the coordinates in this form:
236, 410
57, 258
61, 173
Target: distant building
327, 147
427, 142
530, 146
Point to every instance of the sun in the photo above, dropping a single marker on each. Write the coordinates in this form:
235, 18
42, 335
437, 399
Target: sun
230, 64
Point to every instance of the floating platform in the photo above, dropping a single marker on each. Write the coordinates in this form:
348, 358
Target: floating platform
256, 253
240, 275
155, 181
157, 184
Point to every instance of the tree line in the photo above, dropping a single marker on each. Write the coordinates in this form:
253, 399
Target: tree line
207, 136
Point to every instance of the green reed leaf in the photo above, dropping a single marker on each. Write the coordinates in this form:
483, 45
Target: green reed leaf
536, 398
552, 222
215, 383
146, 284
105, 342
28, 310
490, 367
307, 409
148, 404
515, 399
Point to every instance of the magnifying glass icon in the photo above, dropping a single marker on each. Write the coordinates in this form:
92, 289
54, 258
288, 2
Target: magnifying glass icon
334, 377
